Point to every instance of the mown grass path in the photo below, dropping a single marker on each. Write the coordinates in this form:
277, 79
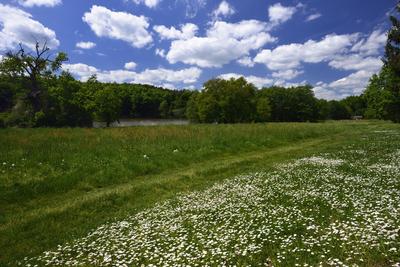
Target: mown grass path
43, 221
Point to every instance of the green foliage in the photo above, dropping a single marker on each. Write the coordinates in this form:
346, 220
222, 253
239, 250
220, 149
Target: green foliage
224, 101
164, 109
263, 109
338, 110
383, 92
7, 94
34, 68
377, 97
107, 105
292, 104
66, 106
357, 105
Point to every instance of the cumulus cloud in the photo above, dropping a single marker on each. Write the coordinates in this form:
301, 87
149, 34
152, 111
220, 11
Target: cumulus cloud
148, 3
223, 10
130, 65
46, 3
348, 52
156, 77
119, 25
287, 74
356, 62
279, 14
353, 84
371, 45
246, 62
187, 31
18, 26
259, 82
291, 56
85, 45
313, 17
223, 43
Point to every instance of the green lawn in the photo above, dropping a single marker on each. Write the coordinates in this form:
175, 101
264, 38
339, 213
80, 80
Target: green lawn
57, 185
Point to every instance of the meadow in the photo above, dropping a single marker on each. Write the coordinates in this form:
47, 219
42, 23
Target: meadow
276, 194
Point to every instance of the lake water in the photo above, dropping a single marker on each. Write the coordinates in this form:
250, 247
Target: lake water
141, 122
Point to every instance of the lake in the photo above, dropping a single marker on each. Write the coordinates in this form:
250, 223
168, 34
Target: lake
141, 122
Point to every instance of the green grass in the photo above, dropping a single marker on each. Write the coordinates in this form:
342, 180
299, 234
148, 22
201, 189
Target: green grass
58, 184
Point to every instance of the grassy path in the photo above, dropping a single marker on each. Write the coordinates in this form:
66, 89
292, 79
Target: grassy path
44, 221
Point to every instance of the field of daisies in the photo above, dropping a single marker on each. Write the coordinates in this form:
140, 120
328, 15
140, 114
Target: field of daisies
340, 208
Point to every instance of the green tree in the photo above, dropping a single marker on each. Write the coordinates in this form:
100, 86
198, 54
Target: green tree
391, 70
65, 106
227, 101
292, 104
338, 110
34, 66
263, 109
107, 105
192, 112
356, 104
164, 109
377, 96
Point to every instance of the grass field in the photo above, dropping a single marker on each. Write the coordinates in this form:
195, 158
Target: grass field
255, 194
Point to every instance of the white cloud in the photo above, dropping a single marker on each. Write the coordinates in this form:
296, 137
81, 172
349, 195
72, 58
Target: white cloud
187, 76
223, 43
187, 31
46, 3
155, 77
81, 70
192, 7
148, 3
85, 45
353, 84
356, 62
119, 25
19, 27
130, 65
313, 17
259, 82
287, 74
246, 61
372, 45
160, 52
224, 10
279, 14
291, 56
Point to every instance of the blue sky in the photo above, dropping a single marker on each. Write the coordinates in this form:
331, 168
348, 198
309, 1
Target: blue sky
333, 45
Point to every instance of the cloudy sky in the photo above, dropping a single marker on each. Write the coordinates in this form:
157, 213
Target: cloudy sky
333, 45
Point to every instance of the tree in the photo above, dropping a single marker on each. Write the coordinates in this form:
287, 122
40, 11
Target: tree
107, 105
34, 66
391, 69
65, 106
263, 109
356, 104
227, 101
338, 111
164, 109
292, 104
192, 112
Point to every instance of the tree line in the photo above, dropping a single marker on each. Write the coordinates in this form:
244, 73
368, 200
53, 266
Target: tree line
34, 93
